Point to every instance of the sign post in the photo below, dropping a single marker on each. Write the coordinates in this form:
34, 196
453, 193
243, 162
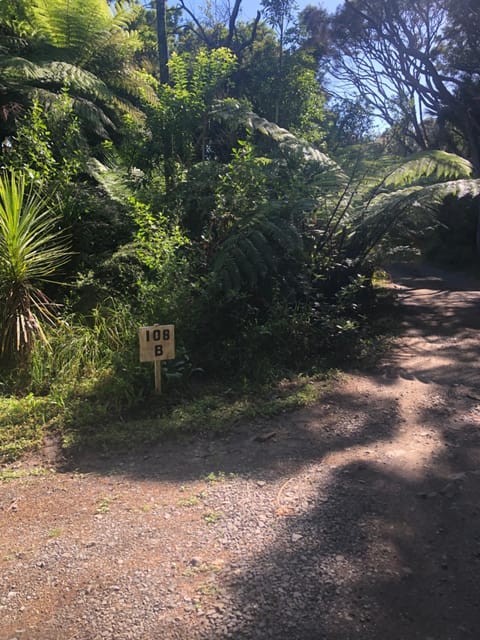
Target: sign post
158, 376
157, 343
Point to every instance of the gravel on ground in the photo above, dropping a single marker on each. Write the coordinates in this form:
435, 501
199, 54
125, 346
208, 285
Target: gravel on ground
357, 518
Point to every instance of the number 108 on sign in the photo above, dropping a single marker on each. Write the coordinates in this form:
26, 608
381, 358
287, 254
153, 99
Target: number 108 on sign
157, 342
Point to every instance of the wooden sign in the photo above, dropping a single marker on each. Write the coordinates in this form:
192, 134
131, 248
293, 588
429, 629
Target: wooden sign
157, 342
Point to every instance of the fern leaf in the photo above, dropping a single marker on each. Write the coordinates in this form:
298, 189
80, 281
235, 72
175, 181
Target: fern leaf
58, 73
255, 247
72, 24
250, 272
114, 180
289, 144
438, 164
94, 116
254, 257
13, 67
387, 210
263, 247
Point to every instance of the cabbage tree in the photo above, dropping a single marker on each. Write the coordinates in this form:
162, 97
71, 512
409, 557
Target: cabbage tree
32, 249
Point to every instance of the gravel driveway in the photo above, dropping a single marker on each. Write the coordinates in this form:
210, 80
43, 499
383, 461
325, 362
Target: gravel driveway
358, 518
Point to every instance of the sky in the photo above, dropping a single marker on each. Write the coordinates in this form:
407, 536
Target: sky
249, 7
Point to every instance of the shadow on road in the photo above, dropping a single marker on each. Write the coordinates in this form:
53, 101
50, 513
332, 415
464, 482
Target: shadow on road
365, 545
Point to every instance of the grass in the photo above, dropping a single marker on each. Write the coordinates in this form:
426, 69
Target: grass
83, 421
214, 410
103, 506
212, 517
23, 423
193, 501
91, 392
220, 476
208, 589
15, 474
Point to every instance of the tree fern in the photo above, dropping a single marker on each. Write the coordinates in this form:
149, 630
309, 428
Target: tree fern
437, 164
255, 247
94, 102
79, 26
287, 142
70, 45
115, 181
409, 206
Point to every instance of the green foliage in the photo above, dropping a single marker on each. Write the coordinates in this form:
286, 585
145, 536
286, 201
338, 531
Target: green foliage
90, 41
180, 121
32, 249
88, 353
188, 205
438, 164
86, 47
451, 241
253, 248
290, 145
81, 27
118, 275
388, 215
23, 424
48, 145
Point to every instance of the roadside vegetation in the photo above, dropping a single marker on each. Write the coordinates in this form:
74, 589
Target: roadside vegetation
200, 174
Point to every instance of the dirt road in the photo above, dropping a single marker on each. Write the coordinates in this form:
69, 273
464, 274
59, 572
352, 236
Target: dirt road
356, 518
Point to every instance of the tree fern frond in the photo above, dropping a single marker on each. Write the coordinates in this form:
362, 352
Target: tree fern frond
286, 237
387, 210
86, 110
263, 247
429, 196
255, 257
438, 164
86, 85
91, 114
226, 270
72, 24
137, 84
289, 144
55, 73
89, 93
249, 271
78, 79
255, 246
115, 181
14, 67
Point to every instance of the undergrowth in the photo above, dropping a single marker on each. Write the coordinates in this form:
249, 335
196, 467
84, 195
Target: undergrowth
90, 391
83, 422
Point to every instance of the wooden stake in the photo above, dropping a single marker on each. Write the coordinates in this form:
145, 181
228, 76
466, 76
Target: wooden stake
158, 376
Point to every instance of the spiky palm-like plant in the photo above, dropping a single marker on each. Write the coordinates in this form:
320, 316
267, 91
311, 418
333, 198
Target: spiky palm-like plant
32, 248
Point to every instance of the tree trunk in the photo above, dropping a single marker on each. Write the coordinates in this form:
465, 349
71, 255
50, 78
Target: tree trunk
473, 143
279, 76
161, 7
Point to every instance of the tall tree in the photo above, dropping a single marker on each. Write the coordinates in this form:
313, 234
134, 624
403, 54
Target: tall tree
161, 7
402, 57
279, 14
221, 26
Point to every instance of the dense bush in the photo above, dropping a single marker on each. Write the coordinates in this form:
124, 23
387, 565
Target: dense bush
256, 245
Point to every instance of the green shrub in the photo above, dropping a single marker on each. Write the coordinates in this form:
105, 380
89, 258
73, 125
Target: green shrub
94, 356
